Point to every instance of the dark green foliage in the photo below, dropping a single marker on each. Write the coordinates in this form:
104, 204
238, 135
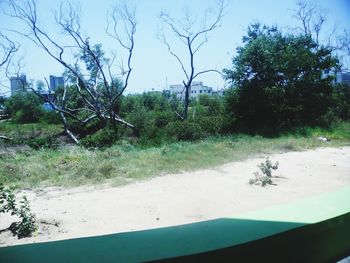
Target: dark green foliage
280, 81
41, 142
184, 130
51, 117
2, 102
102, 138
26, 226
150, 113
208, 113
155, 121
24, 107
341, 102
153, 115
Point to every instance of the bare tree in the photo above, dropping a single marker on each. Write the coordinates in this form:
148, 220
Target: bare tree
96, 86
7, 49
311, 17
193, 40
344, 41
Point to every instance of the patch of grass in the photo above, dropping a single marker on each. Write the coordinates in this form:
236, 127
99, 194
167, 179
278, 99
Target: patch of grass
124, 163
28, 130
338, 131
35, 135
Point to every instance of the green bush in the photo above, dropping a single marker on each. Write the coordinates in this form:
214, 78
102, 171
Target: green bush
27, 225
102, 138
51, 117
184, 131
150, 113
24, 107
341, 102
41, 142
264, 176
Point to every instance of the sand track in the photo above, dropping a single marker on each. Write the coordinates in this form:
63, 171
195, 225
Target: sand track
181, 198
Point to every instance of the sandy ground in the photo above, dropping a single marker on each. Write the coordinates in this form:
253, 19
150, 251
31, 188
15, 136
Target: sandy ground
180, 198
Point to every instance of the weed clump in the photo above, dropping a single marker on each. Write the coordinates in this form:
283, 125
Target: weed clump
264, 176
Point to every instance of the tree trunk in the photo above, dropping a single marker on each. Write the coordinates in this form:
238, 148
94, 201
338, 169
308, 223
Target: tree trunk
5, 138
187, 100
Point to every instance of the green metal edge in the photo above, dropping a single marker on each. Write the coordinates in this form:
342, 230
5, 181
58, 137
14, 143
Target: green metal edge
320, 218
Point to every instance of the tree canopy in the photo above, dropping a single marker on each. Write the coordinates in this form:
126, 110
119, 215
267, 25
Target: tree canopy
281, 80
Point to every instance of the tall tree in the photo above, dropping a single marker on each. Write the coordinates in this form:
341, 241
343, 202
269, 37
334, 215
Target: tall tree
193, 39
95, 85
280, 80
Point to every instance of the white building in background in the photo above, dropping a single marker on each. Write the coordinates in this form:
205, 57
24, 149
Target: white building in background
197, 89
18, 84
56, 82
342, 77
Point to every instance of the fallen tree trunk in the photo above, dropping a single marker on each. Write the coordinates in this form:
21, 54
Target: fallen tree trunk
5, 138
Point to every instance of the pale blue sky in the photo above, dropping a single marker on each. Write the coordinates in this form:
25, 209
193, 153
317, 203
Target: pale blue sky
152, 63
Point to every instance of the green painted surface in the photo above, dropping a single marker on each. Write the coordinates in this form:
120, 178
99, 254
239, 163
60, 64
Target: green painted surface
308, 211
308, 224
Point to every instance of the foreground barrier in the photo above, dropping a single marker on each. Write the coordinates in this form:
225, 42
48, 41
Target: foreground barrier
316, 229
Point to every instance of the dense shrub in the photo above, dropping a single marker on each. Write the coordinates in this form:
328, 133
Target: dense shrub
184, 130
41, 142
102, 138
149, 113
341, 102
51, 117
209, 114
24, 107
8, 204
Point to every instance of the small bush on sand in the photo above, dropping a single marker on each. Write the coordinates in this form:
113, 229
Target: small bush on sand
27, 225
264, 176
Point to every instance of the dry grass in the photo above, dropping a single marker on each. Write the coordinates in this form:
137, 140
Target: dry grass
120, 164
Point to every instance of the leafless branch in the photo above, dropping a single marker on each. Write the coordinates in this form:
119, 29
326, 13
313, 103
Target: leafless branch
95, 92
8, 47
128, 18
344, 42
193, 41
164, 41
206, 71
312, 19
5, 138
213, 25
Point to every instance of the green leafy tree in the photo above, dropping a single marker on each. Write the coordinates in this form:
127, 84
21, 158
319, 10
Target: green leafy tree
280, 80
